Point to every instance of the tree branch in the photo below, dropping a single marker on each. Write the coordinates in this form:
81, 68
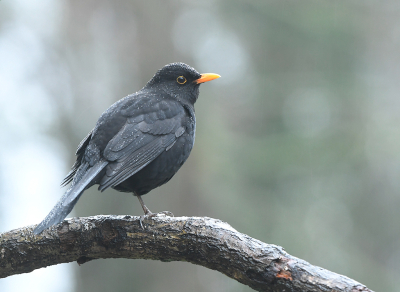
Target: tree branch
203, 241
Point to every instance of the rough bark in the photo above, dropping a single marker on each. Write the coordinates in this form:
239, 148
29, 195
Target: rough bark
202, 241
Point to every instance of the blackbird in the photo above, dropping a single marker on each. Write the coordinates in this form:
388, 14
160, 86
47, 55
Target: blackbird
139, 143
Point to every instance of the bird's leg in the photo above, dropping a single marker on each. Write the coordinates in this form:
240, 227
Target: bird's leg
144, 207
147, 212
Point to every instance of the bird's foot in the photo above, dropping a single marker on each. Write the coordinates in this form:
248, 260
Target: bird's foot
149, 214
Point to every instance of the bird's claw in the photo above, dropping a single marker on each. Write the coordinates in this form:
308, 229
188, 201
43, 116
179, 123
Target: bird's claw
151, 215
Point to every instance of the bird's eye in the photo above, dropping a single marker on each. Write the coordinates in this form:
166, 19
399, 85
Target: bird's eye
181, 80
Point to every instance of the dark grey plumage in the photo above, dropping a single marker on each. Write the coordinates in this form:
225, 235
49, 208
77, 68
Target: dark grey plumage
139, 143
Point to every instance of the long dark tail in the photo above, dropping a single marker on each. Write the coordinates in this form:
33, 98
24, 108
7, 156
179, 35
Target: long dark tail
84, 179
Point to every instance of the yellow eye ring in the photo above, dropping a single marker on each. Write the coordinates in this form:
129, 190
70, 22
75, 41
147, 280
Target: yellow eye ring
181, 80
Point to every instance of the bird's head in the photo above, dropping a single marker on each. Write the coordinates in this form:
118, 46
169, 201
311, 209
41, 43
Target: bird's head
180, 81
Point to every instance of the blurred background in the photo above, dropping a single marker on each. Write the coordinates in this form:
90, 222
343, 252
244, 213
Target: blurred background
298, 144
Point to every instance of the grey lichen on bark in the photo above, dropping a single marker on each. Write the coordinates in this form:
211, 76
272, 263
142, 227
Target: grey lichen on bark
199, 240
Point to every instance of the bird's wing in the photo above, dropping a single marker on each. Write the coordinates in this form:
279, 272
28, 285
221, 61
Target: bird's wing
141, 140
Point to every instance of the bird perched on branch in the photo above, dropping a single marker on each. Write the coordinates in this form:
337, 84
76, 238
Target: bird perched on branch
139, 143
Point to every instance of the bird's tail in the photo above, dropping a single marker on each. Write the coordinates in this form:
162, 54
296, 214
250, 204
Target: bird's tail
84, 179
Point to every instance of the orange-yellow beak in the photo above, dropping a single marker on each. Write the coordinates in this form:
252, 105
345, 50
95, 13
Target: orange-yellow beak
207, 77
